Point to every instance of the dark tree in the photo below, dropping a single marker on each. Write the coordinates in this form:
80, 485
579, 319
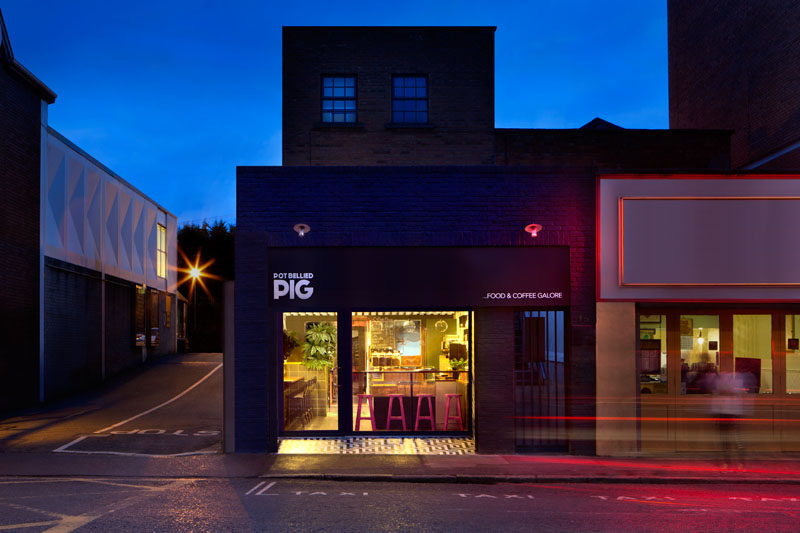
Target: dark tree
203, 244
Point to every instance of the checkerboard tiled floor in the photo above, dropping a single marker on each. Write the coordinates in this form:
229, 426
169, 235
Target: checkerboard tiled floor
379, 445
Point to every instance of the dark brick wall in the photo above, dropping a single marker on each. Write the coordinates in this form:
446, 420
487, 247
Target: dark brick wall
615, 149
121, 353
459, 63
734, 65
72, 317
395, 206
20, 117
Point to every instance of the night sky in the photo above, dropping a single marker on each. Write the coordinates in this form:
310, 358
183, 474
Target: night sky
172, 95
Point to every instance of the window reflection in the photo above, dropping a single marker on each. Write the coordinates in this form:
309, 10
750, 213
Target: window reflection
792, 346
752, 351
653, 354
699, 353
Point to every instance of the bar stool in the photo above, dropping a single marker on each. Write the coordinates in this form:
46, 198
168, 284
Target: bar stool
447, 417
371, 417
429, 418
401, 416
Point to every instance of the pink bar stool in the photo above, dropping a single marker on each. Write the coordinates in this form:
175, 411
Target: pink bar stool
447, 417
429, 418
401, 416
371, 417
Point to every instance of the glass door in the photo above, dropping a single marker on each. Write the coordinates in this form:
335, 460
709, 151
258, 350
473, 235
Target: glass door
310, 372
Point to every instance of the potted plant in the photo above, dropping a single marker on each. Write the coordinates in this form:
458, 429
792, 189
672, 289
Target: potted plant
290, 342
319, 350
458, 365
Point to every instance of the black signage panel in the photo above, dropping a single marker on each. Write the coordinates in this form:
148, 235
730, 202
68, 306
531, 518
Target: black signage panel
329, 278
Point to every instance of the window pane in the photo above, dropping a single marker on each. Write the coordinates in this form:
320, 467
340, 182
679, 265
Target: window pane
310, 399
350, 104
338, 82
338, 92
327, 82
351, 117
349, 91
420, 82
327, 117
422, 105
421, 92
792, 354
327, 104
349, 82
338, 117
652, 354
397, 116
398, 81
398, 92
423, 117
410, 355
409, 92
338, 104
699, 353
752, 352
397, 105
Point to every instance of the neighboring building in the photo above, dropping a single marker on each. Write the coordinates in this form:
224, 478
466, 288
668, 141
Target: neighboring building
734, 65
87, 261
421, 267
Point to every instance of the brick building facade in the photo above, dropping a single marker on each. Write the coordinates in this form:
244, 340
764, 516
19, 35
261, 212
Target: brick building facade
734, 66
347, 155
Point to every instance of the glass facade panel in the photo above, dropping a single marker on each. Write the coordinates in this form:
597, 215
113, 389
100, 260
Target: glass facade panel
699, 336
652, 354
310, 381
413, 363
792, 354
752, 351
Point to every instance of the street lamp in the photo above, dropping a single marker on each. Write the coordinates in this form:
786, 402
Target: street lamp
196, 272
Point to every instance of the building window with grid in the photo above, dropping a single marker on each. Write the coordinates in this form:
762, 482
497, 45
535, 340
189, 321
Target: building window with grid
161, 252
410, 99
338, 99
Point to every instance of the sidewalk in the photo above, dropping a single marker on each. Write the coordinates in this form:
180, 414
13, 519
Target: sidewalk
409, 468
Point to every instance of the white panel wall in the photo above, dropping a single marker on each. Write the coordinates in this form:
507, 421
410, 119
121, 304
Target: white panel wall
699, 238
96, 220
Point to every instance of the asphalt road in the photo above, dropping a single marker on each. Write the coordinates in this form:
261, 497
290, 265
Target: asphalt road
172, 407
252, 504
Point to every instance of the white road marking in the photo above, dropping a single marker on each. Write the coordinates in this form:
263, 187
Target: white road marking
67, 445
143, 413
254, 488
265, 489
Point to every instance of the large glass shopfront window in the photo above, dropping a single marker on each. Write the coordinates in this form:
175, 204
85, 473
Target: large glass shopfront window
411, 371
310, 377
683, 353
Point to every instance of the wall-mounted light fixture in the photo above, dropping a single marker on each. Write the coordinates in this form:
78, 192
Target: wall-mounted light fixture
533, 229
302, 229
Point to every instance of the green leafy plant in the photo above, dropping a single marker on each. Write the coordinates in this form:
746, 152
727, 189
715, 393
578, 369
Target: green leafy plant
458, 364
290, 342
319, 350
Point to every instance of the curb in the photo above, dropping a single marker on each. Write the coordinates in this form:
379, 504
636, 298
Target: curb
493, 479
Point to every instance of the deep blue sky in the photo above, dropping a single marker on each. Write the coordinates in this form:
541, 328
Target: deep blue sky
172, 95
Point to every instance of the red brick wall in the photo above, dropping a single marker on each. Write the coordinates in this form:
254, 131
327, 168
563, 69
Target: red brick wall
459, 63
736, 65
20, 115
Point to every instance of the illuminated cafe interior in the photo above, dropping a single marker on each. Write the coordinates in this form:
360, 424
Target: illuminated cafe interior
410, 372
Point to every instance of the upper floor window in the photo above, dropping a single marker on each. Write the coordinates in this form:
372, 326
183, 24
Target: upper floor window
161, 252
338, 99
410, 99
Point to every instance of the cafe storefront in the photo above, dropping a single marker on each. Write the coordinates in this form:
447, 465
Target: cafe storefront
698, 283
390, 341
